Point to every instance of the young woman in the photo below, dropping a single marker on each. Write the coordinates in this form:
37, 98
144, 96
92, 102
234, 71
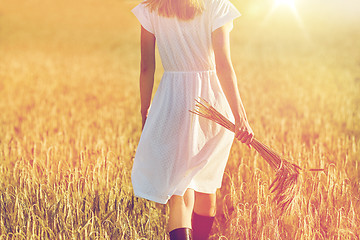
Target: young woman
181, 157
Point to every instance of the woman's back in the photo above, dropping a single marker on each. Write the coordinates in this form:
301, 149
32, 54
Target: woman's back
185, 45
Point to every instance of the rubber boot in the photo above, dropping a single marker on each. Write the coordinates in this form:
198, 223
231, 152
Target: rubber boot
180, 234
201, 226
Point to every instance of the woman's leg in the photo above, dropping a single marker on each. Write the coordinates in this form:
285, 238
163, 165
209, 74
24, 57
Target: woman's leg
204, 215
205, 204
181, 208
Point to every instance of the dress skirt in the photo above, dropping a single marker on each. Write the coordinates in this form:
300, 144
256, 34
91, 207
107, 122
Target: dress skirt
177, 149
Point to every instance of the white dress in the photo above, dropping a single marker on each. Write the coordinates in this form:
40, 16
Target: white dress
178, 150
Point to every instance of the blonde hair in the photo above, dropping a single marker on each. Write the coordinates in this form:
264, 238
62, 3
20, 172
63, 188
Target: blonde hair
182, 9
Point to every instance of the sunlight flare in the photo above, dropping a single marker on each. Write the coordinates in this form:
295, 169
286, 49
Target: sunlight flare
279, 7
288, 3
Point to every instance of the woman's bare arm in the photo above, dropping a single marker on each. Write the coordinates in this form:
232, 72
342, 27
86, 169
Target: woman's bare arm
147, 70
228, 81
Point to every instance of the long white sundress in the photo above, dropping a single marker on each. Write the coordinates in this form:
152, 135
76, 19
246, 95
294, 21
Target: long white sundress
178, 150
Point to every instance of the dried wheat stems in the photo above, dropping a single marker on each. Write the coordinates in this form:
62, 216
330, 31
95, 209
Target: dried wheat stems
285, 187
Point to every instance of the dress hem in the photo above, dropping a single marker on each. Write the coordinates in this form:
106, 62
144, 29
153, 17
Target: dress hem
151, 198
162, 201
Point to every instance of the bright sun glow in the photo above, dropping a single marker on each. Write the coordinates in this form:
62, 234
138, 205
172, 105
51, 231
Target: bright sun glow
289, 3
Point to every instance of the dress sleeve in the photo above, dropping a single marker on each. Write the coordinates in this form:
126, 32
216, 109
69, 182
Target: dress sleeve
143, 15
223, 12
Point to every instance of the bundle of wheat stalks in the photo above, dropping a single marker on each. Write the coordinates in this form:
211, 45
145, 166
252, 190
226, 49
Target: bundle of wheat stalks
285, 186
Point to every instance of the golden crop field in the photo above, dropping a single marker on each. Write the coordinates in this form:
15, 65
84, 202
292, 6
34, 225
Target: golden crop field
70, 121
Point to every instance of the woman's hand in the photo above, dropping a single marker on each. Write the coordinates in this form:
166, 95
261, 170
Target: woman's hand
243, 131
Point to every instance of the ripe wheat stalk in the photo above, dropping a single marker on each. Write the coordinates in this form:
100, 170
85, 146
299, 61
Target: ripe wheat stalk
285, 187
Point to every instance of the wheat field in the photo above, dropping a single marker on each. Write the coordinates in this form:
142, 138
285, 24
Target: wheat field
70, 121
